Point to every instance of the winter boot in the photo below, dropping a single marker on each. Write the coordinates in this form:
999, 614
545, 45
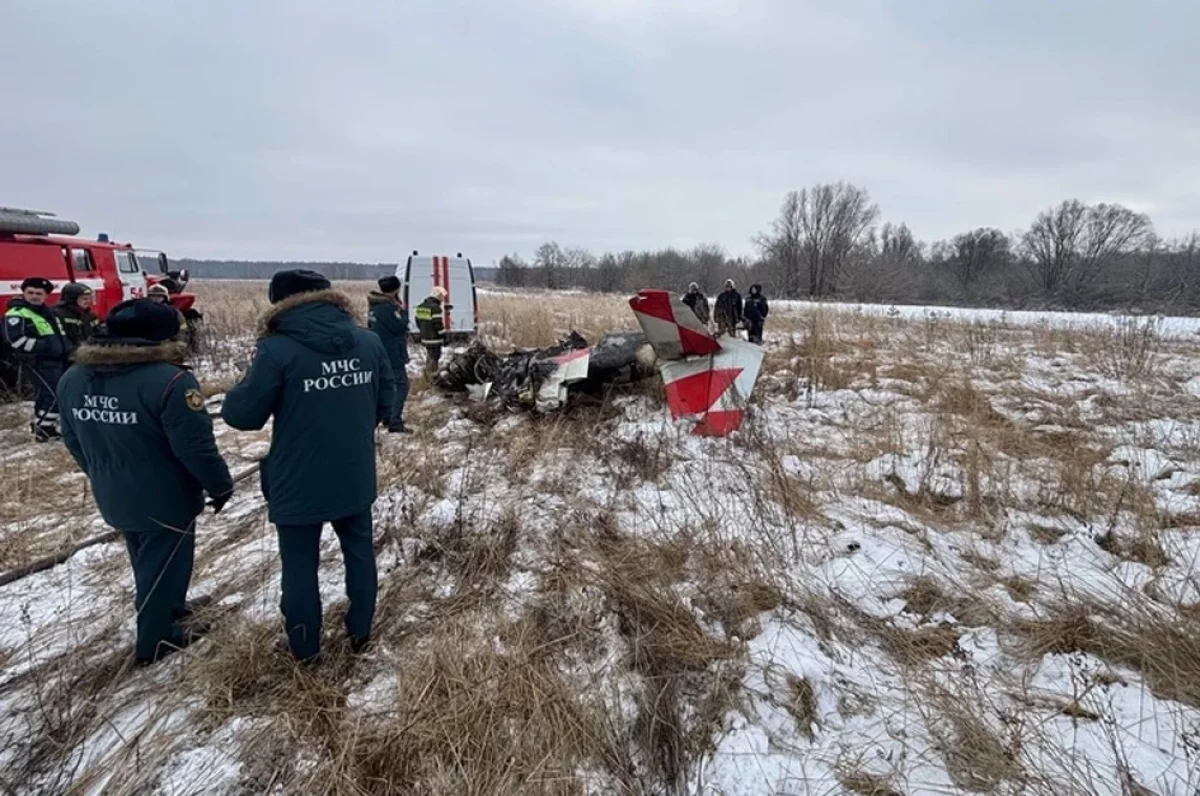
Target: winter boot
193, 632
283, 648
45, 433
190, 607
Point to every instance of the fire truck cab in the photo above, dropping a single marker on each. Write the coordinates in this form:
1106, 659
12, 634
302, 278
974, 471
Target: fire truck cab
36, 243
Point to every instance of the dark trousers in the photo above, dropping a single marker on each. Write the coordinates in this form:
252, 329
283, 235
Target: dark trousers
433, 354
401, 375
162, 570
726, 325
45, 397
754, 331
300, 552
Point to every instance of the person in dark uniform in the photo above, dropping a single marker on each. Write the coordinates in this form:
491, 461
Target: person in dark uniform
698, 302
388, 317
33, 330
75, 316
328, 384
728, 309
432, 325
133, 415
754, 311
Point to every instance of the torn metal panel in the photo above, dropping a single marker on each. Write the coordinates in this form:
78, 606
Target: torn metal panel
707, 380
571, 368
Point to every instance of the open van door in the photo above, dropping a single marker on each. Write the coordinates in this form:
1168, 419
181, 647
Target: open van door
422, 273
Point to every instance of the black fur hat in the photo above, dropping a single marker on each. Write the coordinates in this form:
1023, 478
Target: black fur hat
389, 284
38, 282
142, 319
289, 283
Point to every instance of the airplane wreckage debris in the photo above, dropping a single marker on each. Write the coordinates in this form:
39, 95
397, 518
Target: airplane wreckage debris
707, 379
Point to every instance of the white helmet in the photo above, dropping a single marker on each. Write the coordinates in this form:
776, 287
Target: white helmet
440, 293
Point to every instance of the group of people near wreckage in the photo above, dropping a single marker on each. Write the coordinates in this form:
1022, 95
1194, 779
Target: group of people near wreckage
730, 310
135, 420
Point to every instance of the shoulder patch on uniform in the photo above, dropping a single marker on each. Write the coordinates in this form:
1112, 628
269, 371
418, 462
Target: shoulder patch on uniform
194, 399
14, 320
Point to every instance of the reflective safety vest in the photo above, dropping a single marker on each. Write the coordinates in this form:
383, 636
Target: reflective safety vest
41, 326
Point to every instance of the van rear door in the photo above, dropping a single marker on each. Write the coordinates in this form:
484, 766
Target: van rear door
422, 273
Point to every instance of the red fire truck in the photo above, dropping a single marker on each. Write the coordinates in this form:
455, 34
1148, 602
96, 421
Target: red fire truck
35, 243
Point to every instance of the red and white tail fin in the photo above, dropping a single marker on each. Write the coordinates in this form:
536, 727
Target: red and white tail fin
706, 380
671, 326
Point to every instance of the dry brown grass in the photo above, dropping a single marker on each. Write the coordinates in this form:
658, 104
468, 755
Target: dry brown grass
869, 785
1162, 645
531, 642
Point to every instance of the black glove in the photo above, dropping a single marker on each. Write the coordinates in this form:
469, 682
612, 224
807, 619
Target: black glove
219, 502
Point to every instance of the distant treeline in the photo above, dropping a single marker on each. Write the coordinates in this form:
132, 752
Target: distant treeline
827, 243
245, 269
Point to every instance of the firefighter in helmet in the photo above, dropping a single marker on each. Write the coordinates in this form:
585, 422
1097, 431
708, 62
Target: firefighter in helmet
34, 332
158, 292
74, 311
432, 325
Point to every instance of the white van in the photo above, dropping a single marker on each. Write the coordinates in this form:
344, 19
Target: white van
422, 273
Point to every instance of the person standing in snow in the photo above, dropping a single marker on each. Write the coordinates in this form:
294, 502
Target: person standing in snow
727, 310
388, 317
328, 384
74, 311
134, 415
755, 313
36, 336
696, 299
431, 321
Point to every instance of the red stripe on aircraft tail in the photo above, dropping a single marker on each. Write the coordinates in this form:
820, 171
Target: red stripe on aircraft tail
695, 394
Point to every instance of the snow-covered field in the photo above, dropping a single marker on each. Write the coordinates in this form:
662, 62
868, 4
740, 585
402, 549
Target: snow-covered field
945, 555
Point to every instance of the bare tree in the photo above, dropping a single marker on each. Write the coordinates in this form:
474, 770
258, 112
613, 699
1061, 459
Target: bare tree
897, 245
710, 266
550, 260
513, 271
1183, 267
783, 247
815, 233
880, 268
608, 274
975, 253
1069, 245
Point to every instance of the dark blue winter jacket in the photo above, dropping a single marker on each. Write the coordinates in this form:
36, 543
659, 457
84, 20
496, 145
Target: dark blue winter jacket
389, 320
135, 421
327, 383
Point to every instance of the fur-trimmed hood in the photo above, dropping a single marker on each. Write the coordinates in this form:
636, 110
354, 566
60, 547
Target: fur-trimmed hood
130, 352
268, 324
375, 297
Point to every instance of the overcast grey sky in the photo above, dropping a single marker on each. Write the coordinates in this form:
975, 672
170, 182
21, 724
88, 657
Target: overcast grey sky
360, 129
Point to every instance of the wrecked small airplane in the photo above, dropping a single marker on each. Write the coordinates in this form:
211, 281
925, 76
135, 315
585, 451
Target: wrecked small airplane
707, 379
